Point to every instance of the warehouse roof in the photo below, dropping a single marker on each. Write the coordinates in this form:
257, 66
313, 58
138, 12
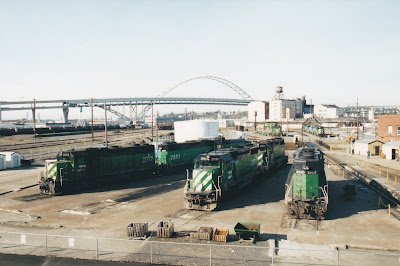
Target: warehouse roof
368, 141
329, 105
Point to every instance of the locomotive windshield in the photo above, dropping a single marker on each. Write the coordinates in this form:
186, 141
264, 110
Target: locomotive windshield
209, 163
206, 161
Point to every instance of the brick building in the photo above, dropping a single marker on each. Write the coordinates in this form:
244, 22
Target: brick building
389, 128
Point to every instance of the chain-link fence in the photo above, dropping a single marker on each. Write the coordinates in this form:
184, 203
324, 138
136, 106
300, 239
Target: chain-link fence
174, 253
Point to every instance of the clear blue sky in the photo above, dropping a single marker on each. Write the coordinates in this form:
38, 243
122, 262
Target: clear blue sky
330, 51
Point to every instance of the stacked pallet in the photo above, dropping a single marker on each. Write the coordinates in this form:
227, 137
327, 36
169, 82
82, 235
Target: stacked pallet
137, 230
165, 229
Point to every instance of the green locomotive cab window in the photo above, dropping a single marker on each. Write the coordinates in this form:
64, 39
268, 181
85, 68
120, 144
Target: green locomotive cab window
210, 163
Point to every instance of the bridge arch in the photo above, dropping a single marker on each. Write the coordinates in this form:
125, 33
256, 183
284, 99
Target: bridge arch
231, 85
228, 83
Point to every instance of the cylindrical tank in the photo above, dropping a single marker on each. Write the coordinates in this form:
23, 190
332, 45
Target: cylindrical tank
195, 130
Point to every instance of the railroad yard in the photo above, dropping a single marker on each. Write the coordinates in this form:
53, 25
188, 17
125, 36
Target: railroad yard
361, 224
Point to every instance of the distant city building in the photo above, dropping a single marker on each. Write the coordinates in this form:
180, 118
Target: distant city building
258, 111
278, 109
389, 128
371, 114
328, 111
307, 108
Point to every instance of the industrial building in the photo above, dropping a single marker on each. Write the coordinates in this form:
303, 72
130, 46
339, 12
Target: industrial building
362, 147
389, 128
285, 109
258, 111
328, 111
391, 150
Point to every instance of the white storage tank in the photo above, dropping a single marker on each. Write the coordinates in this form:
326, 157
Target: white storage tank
13, 159
195, 130
2, 162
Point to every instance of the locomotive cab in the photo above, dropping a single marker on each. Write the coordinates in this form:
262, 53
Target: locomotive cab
51, 179
203, 188
306, 188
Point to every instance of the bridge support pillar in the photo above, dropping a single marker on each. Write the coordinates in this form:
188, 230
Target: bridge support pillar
65, 114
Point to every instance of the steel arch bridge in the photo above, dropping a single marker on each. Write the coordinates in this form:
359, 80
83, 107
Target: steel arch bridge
231, 85
132, 103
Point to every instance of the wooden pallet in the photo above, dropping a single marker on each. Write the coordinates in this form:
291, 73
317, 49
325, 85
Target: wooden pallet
203, 233
220, 235
137, 230
165, 229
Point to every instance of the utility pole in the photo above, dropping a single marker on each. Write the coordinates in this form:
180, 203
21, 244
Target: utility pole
105, 123
152, 126
255, 120
34, 119
357, 118
287, 125
91, 107
157, 128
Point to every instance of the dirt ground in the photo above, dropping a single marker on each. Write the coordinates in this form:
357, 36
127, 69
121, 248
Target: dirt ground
357, 224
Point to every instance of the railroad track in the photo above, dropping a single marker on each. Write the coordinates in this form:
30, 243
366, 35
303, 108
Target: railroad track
298, 224
114, 138
357, 175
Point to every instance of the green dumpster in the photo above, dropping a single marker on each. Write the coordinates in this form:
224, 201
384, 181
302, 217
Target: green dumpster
247, 231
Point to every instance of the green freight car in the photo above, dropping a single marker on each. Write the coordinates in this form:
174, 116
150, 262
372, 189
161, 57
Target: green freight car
224, 172
306, 193
176, 156
78, 169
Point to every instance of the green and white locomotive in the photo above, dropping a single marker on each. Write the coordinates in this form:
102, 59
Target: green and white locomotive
78, 169
273, 153
223, 172
174, 156
306, 193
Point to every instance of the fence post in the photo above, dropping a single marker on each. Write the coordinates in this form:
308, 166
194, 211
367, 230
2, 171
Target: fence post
337, 257
273, 255
97, 248
151, 253
210, 254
